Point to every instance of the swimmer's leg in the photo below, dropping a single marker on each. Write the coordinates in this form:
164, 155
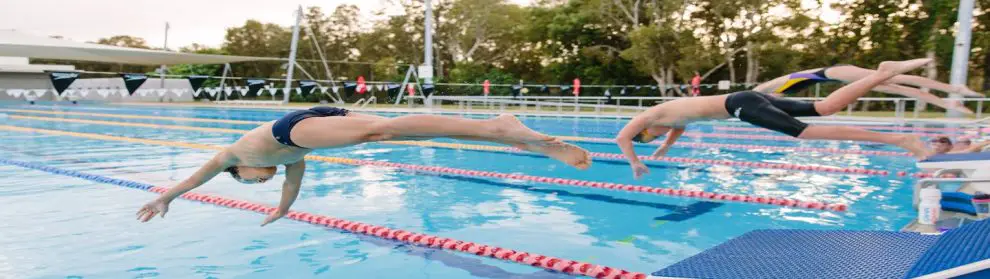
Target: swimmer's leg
922, 95
848, 94
322, 132
850, 73
912, 143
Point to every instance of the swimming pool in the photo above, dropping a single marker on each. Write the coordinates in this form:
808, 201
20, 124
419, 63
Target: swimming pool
59, 226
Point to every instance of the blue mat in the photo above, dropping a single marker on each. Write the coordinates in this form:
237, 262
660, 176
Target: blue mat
807, 254
958, 157
967, 244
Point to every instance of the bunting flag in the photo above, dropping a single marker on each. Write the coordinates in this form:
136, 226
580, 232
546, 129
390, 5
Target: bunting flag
298, 91
15, 92
62, 80
516, 88
103, 92
39, 92
323, 90
565, 89
161, 92
379, 87
428, 89
254, 85
84, 93
393, 90
335, 89
242, 90
227, 91
213, 91
133, 82
486, 87
143, 92
196, 81
306, 86
69, 92
622, 91
350, 88
273, 90
178, 92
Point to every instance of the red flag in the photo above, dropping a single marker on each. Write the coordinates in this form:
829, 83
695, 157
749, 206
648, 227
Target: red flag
577, 87
487, 84
411, 89
361, 87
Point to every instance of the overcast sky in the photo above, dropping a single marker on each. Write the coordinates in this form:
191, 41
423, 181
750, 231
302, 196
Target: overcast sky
191, 21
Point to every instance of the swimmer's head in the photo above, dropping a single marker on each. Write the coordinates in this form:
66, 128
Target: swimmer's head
941, 144
251, 175
963, 142
650, 134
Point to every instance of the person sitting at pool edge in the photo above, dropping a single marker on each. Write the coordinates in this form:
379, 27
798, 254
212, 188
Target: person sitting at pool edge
253, 158
944, 145
768, 112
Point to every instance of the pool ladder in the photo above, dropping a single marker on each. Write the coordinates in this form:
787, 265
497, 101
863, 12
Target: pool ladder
363, 103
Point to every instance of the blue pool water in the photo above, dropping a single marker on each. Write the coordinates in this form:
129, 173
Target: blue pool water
63, 227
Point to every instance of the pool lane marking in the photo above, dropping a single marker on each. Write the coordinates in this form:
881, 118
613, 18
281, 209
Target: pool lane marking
491, 148
540, 261
569, 138
702, 195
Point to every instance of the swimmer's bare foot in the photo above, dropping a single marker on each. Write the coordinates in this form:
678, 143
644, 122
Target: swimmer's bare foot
568, 153
900, 67
958, 106
510, 129
965, 91
915, 145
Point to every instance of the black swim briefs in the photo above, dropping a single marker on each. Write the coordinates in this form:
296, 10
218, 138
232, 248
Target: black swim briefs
770, 112
283, 126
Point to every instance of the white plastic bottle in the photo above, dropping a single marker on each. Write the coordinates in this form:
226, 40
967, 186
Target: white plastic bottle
929, 206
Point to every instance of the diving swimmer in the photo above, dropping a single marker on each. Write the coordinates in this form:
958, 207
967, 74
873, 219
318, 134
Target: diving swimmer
254, 157
769, 112
798, 81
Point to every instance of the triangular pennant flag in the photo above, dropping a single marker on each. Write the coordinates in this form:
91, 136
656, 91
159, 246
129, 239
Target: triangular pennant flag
103, 92
39, 92
69, 92
15, 92
428, 89
196, 81
133, 81
273, 91
242, 90
379, 87
62, 80
197, 92
335, 89
298, 91
323, 90
178, 92
142, 92
161, 92
9, 93
227, 91
253, 86
306, 86
84, 93
213, 92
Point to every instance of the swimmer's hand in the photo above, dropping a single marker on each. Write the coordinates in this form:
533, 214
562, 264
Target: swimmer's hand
151, 209
639, 169
272, 217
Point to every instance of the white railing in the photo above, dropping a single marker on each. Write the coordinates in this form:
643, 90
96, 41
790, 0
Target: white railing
249, 102
361, 103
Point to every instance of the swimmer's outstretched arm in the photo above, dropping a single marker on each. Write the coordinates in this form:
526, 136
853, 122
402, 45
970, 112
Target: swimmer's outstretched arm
209, 170
290, 190
625, 136
976, 147
672, 137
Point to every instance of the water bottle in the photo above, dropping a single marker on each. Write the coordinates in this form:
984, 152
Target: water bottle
930, 206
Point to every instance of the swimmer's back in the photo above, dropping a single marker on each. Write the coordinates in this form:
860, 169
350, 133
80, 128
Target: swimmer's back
690, 109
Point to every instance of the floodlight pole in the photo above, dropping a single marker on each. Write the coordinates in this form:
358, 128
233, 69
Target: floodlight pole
292, 56
960, 55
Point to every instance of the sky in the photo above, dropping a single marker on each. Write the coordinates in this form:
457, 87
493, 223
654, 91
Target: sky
191, 21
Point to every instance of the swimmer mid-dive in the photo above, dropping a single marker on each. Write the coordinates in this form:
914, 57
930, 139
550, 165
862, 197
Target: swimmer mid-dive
253, 158
798, 81
768, 112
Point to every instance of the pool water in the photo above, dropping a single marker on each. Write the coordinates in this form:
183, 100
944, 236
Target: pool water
64, 227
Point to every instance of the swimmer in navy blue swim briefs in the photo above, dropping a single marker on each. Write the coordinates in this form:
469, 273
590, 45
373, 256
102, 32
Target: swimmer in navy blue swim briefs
286, 141
767, 111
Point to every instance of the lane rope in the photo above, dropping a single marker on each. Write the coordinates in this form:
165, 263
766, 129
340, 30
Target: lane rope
550, 263
598, 155
702, 195
920, 134
568, 138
